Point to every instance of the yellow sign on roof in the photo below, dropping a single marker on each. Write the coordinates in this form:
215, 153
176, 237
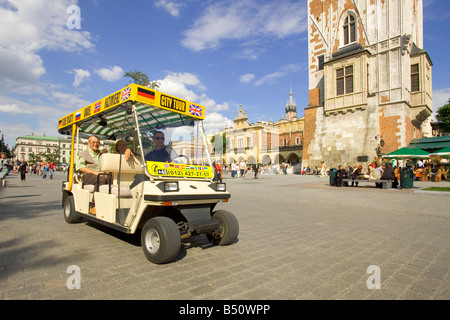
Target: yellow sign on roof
135, 94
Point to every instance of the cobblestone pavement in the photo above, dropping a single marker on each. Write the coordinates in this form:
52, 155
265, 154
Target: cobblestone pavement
299, 239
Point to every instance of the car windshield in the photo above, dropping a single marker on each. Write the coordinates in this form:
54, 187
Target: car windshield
165, 136
173, 144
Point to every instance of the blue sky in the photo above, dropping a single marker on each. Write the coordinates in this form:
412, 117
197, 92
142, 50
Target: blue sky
217, 53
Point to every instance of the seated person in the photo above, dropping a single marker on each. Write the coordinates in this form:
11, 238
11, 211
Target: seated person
341, 174
161, 153
356, 174
89, 165
388, 174
373, 173
121, 148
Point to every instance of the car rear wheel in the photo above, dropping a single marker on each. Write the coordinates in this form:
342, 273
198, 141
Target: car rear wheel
228, 230
160, 240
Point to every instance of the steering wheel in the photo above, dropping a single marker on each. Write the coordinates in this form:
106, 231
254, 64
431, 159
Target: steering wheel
179, 159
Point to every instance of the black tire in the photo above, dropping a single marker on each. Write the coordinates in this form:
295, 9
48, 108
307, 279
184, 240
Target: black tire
70, 215
228, 230
160, 240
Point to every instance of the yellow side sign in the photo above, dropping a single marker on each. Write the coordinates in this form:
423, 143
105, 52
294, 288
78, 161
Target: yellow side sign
164, 169
138, 94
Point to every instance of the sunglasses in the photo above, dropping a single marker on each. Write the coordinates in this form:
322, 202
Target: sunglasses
160, 138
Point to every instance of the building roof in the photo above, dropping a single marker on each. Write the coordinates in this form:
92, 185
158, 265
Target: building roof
430, 144
33, 137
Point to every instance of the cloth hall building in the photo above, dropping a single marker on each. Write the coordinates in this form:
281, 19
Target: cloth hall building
370, 80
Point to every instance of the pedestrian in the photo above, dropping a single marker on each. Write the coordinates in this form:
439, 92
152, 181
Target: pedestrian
242, 167
45, 170
51, 169
4, 168
255, 170
23, 169
323, 170
233, 169
217, 172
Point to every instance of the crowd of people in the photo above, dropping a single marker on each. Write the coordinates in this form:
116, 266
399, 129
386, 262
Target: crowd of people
22, 167
242, 169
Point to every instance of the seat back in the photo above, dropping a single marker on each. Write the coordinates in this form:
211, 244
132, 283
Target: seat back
112, 162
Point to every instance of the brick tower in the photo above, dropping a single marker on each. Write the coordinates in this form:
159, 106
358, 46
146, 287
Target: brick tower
370, 80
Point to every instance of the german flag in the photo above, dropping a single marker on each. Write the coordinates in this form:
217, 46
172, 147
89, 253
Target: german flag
146, 95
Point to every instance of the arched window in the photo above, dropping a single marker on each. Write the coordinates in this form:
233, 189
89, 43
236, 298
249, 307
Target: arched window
349, 29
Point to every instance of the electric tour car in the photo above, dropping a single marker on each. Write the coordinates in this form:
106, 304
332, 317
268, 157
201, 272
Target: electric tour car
167, 200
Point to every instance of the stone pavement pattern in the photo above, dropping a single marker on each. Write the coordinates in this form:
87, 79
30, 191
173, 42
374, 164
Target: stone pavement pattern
299, 239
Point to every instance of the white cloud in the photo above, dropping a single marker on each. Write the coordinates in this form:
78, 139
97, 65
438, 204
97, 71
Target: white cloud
274, 76
38, 24
172, 7
80, 76
246, 78
12, 109
244, 20
216, 122
177, 84
112, 74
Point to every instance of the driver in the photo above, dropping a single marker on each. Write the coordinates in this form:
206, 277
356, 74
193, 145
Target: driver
161, 153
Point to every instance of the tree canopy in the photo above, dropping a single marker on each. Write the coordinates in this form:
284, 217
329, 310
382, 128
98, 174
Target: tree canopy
142, 79
443, 118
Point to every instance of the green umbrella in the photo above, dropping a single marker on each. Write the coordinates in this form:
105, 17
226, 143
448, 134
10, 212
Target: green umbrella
407, 153
445, 152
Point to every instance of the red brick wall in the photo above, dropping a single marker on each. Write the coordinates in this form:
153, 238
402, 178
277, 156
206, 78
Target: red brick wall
309, 130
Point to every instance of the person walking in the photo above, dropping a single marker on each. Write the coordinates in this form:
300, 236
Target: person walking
242, 168
323, 170
45, 168
233, 169
51, 168
255, 170
4, 168
23, 169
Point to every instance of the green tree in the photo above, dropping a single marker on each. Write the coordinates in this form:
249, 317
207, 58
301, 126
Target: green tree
142, 79
443, 118
219, 143
5, 148
53, 156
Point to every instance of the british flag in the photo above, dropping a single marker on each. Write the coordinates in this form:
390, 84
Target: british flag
126, 93
195, 110
97, 107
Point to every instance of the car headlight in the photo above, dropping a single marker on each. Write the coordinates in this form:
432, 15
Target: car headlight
221, 187
170, 186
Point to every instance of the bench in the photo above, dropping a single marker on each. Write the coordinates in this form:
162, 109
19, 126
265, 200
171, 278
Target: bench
385, 184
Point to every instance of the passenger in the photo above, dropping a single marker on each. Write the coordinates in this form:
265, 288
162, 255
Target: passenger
161, 153
89, 165
121, 148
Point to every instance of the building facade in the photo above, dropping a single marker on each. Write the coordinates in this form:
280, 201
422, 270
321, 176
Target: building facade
370, 80
27, 146
265, 142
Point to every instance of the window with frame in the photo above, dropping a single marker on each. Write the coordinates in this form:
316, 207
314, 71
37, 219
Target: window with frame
349, 29
321, 62
344, 80
415, 78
